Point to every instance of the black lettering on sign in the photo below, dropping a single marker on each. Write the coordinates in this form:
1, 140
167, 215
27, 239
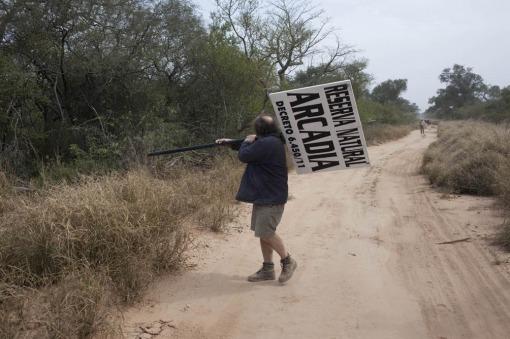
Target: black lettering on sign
343, 110
342, 122
340, 106
335, 107
320, 147
356, 161
355, 153
337, 115
301, 98
287, 127
303, 122
320, 165
321, 156
351, 147
347, 132
319, 144
308, 111
335, 89
315, 135
337, 100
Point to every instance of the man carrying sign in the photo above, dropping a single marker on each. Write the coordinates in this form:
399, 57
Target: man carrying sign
264, 184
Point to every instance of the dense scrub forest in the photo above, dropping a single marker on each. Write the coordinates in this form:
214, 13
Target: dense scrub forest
467, 96
92, 85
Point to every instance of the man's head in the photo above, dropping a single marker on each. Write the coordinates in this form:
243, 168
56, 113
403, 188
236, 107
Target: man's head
265, 125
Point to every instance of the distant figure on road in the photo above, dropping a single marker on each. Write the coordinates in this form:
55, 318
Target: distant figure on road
423, 124
264, 184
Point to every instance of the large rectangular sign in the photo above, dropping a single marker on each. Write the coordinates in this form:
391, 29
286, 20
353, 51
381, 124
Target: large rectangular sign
322, 127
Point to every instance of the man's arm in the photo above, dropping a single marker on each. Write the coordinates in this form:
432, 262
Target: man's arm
234, 144
252, 150
249, 150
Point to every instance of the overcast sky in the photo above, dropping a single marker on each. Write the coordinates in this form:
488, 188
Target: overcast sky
417, 39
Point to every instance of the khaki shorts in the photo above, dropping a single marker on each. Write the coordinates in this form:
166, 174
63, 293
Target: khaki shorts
265, 218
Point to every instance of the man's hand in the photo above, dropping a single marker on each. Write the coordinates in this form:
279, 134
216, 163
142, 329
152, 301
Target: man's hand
223, 141
250, 138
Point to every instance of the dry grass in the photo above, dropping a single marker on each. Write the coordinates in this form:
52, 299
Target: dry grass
79, 306
503, 190
468, 157
503, 180
4, 184
474, 158
5, 193
68, 253
379, 133
209, 189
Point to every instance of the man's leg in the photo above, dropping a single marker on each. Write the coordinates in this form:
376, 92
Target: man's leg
289, 265
267, 270
267, 251
275, 243
264, 222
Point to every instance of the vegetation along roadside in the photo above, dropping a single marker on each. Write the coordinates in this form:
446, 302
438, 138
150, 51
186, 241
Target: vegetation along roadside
472, 157
71, 253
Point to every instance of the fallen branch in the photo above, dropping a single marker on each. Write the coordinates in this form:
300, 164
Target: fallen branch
453, 241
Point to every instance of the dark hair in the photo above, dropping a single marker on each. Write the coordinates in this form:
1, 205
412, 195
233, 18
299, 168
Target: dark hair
265, 125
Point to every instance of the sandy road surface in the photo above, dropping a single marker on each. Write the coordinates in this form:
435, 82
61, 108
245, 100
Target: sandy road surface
369, 264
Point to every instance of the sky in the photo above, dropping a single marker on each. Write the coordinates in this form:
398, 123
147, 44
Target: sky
417, 39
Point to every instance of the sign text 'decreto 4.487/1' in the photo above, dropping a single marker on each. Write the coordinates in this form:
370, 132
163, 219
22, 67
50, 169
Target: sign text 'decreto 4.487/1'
322, 127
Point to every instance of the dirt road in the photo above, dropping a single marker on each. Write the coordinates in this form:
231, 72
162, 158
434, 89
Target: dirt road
370, 265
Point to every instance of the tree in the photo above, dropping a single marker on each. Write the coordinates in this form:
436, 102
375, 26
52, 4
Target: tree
389, 91
353, 70
495, 107
244, 19
108, 78
385, 104
463, 88
288, 34
221, 95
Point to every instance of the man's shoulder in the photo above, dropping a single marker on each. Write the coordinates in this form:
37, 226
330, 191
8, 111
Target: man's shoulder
271, 140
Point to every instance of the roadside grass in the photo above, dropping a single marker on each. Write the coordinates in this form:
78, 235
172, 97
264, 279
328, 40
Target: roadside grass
468, 157
71, 253
379, 133
473, 158
503, 179
5, 190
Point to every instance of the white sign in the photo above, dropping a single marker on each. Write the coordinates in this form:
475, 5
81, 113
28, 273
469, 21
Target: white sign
322, 127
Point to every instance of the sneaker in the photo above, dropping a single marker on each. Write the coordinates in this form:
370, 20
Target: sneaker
289, 265
265, 273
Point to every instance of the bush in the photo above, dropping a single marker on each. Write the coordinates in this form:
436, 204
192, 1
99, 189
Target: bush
503, 190
78, 307
379, 133
503, 180
7, 201
111, 223
69, 252
467, 157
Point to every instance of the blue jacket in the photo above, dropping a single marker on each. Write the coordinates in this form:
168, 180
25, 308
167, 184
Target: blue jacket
264, 181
